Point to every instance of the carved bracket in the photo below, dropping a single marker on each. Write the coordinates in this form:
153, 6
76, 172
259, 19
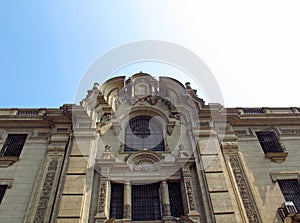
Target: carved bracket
117, 128
170, 127
230, 147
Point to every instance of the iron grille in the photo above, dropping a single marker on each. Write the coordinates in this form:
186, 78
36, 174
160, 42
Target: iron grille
13, 145
291, 191
117, 200
144, 133
175, 199
2, 191
146, 205
253, 110
269, 142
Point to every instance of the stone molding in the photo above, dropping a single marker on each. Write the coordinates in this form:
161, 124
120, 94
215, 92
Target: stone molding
284, 176
6, 181
47, 192
244, 189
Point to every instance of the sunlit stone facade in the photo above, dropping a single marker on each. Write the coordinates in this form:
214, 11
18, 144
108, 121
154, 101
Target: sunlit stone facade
149, 150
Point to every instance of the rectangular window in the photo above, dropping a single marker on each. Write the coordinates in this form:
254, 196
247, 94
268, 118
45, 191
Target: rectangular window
2, 191
146, 204
291, 191
175, 199
269, 142
13, 145
116, 201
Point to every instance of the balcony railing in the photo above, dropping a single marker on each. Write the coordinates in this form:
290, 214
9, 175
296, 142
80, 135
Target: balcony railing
289, 213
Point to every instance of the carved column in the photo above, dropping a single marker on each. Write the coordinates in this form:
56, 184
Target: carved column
102, 207
127, 202
165, 199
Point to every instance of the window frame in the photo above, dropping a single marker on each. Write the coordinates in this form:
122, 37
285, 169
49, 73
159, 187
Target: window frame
290, 189
176, 204
7, 183
271, 145
8, 149
116, 210
154, 202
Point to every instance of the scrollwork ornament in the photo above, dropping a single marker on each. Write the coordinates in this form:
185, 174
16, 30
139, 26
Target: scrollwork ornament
190, 195
102, 197
244, 190
46, 192
127, 211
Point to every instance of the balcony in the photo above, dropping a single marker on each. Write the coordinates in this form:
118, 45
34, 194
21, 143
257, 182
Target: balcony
289, 213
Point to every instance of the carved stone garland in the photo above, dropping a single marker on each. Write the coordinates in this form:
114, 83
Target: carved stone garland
102, 196
127, 211
187, 179
244, 190
190, 194
46, 192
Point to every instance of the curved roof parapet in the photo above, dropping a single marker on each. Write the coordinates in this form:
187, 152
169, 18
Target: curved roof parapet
141, 74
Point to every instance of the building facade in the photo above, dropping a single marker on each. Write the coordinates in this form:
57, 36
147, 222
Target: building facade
149, 150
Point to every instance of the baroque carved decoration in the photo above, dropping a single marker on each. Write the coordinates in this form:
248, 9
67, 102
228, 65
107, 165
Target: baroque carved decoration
102, 196
185, 219
190, 195
290, 131
145, 164
104, 119
144, 161
182, 219
150, 99
112, 220
46, 192
170, 127
166, 209
127, 211
117, 128
244, 190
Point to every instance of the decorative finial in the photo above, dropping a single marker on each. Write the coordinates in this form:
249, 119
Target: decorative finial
96, 86
188, 85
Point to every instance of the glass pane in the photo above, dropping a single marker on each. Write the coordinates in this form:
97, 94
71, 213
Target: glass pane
291, 191
144, 133
117, 200
269, 141
2, 191
13, 145
175, 199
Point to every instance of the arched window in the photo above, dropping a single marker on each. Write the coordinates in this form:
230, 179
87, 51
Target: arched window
144, 133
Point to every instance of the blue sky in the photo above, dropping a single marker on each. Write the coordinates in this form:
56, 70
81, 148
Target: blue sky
252, 48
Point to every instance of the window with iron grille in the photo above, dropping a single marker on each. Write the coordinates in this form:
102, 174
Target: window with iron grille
13, 145
269, 142
116, 201
144, 133
146, 203
175, 199
2, 191
291, 191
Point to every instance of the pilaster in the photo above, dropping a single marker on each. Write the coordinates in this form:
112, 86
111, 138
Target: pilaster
103, 201
189, 193
50, 176
166, 210
127, 202
243, 191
